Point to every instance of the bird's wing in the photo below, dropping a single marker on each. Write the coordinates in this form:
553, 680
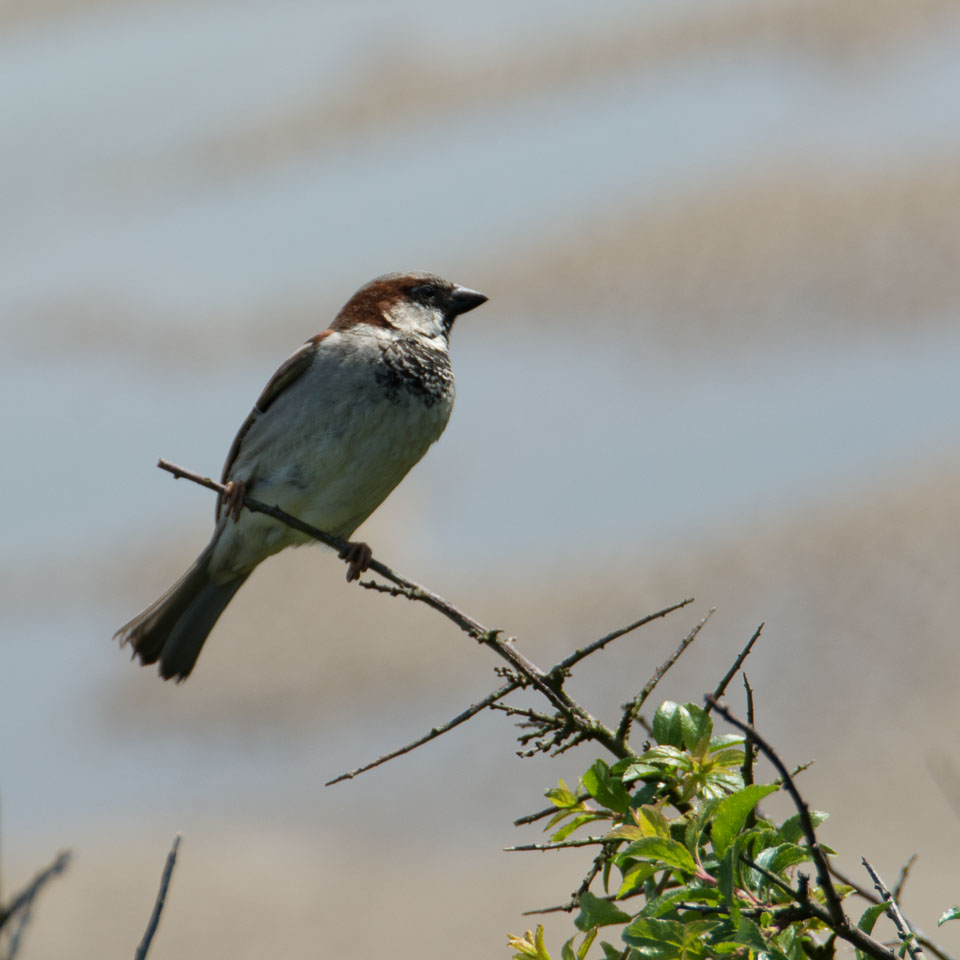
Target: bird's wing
289, 371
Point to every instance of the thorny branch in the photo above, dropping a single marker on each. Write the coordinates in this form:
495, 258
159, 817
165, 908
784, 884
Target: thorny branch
525, 672
633, 708
907, 936
816, 851
572, 723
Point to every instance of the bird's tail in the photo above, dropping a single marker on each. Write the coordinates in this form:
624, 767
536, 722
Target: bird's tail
174, 628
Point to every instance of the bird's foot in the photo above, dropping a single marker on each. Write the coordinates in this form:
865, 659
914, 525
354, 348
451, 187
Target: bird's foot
358, 555
233, 498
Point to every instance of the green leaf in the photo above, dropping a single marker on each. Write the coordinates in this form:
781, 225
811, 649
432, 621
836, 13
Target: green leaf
562, 796
792, 830
610, 952
637, 768
870, 916
530, 945
655, 937
575, 824
952, 914
730, 757
587, 943
634, 877
606, 789
783, 856
749, 934
692, 893
726, 740
696, 728
661, 850
727, 884
566, 951
667, 723
731, 812
595, 912
684, 726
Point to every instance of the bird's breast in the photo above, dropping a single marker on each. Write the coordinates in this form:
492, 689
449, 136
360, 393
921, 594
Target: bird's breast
334, 444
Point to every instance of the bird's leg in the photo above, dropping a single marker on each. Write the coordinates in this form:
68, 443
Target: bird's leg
358, 555
233, 498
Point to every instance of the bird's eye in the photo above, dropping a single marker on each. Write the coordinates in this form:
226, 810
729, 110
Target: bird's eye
425, 291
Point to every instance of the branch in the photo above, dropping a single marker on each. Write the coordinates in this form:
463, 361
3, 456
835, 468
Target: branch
631, 709
907, 936
584, 652
22, 903
561, 844
432, 734
871, 897
737, 664
540, 814
161, 899
838, 918
549, 687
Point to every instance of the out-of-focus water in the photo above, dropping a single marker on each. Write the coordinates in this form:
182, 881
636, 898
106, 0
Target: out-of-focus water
97, 196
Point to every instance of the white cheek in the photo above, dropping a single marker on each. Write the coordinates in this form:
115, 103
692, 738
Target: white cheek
417, 319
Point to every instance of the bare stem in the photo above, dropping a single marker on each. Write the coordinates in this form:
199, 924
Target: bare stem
159, 902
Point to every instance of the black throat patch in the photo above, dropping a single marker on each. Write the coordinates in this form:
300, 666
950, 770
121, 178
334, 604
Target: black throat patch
410, 368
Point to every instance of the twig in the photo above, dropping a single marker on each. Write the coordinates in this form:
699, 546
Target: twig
21, 906
737, 664
561, 845
567, 907
161, 899
907, 936
596, 645
540, 814
871, 897
631, 709
749, 749
902, 879
550, 687
838, 917
432, 734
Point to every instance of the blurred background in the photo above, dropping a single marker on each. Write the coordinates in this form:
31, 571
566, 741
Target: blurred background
720, 241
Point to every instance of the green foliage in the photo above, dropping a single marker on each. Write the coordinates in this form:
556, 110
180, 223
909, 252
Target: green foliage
701, 872
952, 914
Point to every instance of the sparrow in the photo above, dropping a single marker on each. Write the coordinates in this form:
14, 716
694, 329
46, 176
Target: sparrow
336, 428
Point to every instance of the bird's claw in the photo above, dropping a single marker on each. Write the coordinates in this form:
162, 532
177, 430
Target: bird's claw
233, 498
358, 555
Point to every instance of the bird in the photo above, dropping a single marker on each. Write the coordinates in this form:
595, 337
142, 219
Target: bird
336, 428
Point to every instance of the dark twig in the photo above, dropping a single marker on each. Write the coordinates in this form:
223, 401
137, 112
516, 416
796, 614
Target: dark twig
596, 645
631, 709
432, 734
871, 897
907, 936
838, 918
737, 664
567, 907
902, 879
560, 845
540, 814
20, 908
161, 899
805, 908
749, 748
550, 687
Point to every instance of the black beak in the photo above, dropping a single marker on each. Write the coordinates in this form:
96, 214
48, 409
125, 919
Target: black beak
463, 299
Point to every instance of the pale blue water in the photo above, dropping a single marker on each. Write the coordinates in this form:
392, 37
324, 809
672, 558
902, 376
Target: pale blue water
565, 448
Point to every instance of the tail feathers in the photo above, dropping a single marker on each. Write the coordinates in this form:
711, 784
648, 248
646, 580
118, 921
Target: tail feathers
173, 629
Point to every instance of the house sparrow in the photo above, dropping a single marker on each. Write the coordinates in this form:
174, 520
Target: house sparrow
334, 431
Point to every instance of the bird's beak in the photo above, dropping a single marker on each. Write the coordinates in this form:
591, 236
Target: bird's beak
463, 299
